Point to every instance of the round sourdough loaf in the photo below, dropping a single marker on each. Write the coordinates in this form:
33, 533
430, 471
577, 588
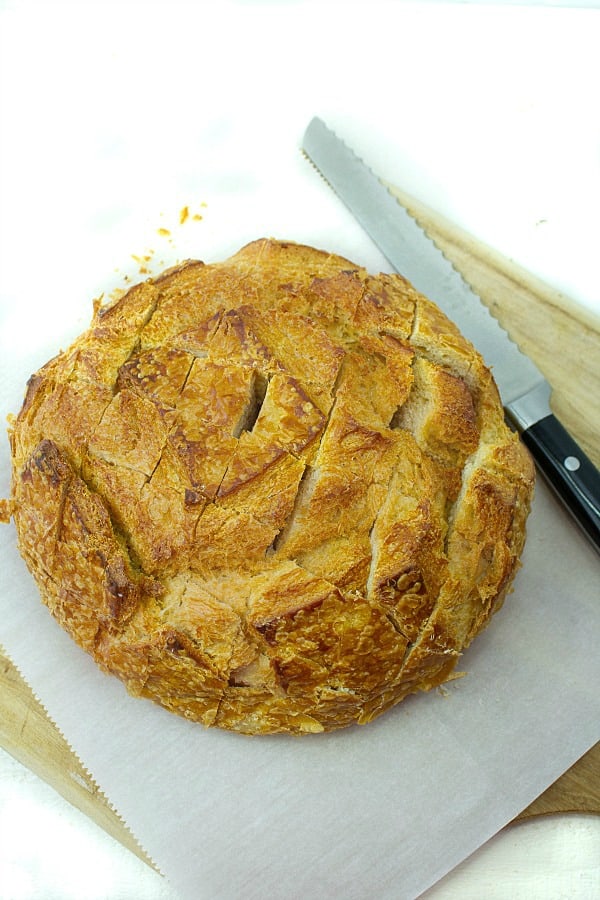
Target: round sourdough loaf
273, 494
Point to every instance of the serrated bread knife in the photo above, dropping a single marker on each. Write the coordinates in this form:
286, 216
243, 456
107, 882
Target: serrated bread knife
524, 390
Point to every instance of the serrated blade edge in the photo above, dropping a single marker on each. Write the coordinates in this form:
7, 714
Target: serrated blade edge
412, 253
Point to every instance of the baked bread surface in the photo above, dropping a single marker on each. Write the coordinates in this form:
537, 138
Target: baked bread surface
272, 494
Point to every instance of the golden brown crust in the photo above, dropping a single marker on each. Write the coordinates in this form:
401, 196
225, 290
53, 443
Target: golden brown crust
272, 494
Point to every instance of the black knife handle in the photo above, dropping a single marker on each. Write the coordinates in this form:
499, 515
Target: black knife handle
569, 472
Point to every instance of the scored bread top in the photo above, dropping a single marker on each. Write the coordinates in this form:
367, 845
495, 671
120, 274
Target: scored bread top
272, 494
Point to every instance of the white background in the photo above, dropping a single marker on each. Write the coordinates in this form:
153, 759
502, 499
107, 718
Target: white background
116, 115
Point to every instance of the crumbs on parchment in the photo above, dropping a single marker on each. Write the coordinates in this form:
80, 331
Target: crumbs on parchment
143, 261
184, 214
147, 264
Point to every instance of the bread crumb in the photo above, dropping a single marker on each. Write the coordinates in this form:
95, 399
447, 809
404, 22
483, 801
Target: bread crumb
7, 508
147, 261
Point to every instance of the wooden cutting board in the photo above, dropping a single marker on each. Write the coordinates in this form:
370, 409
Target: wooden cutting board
561, 338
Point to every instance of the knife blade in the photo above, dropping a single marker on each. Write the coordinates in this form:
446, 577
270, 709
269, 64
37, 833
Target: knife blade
524, 390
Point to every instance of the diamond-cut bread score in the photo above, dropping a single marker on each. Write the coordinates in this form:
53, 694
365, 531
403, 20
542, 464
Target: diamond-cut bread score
273, 494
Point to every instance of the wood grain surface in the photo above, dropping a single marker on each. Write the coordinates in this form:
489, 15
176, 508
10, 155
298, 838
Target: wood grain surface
561, 338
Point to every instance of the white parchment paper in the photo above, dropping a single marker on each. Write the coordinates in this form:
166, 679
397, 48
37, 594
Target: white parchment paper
119, 121
383, 810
